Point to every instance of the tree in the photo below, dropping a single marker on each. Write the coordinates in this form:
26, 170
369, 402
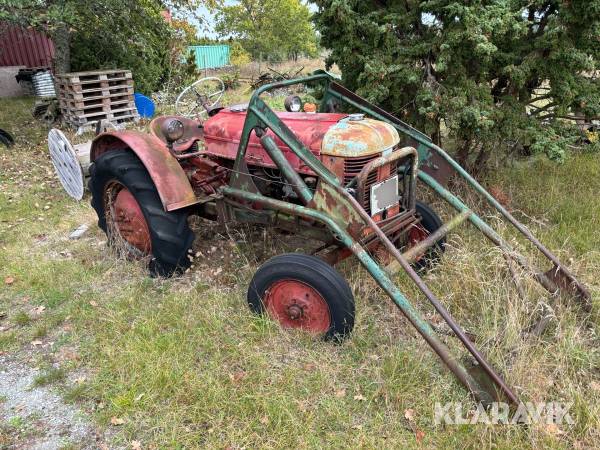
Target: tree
271, 28
497, 75
131, 34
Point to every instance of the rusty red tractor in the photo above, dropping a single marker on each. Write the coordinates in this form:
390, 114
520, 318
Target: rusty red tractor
345, 176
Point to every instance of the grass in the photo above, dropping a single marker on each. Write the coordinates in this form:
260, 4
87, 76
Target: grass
186, 365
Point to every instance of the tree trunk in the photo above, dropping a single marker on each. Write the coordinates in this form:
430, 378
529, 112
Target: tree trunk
62, 49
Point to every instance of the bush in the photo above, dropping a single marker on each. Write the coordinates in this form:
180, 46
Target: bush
497, 77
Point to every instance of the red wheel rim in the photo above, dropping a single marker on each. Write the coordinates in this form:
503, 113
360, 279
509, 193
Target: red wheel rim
127, 218
295, 304
416, 234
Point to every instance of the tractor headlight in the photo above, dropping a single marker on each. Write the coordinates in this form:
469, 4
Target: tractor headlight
173, 130
293, 103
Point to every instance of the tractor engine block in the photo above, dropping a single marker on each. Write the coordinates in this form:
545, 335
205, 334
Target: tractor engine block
206, 175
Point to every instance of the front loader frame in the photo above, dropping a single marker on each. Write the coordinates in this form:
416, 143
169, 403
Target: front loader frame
332, 205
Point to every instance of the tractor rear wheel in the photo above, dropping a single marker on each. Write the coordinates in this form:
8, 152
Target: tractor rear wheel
429, 223
132, 216
303, 292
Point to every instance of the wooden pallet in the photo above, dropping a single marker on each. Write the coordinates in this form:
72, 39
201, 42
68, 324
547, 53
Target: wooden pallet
99, 102
88, 97
82, 78
100, 93
97, 115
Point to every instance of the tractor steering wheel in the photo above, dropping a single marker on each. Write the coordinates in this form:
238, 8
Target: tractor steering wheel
195, 101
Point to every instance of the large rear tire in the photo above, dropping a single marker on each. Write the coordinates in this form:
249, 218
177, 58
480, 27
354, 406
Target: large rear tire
131, 214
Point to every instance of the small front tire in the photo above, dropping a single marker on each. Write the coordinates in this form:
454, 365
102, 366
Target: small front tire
303, 292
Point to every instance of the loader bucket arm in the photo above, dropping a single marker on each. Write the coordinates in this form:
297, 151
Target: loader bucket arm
332, 205
556, 279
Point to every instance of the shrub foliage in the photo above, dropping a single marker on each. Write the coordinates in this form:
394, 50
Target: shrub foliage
498, 76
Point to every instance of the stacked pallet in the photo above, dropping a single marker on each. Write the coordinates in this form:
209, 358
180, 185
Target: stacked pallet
88, 97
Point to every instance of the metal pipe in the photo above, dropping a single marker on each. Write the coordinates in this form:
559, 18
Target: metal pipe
282, 131
495, 378
383, 160
489, 232
413, 253
288, 172
390, 288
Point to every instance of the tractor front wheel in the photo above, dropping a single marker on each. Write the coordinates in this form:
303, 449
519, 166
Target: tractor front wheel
303, 292
132, 216
429, 223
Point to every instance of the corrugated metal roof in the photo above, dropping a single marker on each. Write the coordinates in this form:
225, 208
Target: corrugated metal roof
24, 47
210, 56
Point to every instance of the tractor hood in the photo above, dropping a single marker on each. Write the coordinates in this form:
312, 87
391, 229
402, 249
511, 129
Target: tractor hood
331, 134
355, 136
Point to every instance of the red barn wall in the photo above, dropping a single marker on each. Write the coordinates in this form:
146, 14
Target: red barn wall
24, 47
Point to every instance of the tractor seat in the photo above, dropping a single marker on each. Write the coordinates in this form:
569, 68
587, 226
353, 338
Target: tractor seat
193, 132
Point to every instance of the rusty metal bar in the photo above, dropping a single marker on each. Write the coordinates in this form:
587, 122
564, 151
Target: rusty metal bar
288, 172
489, 232
582, 292
412, 254
458, 331
422, 326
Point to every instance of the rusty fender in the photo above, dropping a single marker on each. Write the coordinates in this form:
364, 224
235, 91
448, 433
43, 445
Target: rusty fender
172, 184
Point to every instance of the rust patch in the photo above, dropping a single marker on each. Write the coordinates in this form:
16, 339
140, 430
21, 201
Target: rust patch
169, 178
363, 137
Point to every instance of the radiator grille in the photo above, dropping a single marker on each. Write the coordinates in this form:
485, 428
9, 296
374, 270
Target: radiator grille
353, 166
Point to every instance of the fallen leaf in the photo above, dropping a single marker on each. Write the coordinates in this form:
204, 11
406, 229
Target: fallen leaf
310, 367
340, 393
409, 414
552, 428
93, 303
136, 445
116, 421
419, 435
238, 376
38, 310
359, 397
264, 420
9, 280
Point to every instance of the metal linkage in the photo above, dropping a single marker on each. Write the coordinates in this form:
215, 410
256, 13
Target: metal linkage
557, 278
409, 311
413, 253
334, 206
489, 232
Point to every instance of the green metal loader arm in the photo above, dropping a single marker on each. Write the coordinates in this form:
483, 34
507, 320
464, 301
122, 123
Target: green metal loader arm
338, 210
557, 279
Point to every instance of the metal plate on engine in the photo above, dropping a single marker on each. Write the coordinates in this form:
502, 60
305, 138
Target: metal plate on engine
384, 195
